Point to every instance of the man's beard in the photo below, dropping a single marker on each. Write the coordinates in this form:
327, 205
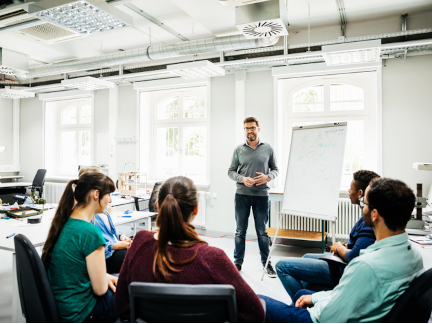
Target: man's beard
251, 137
367, 219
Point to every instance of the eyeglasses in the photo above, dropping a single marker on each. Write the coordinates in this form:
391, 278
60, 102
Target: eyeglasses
362, 203
253, 128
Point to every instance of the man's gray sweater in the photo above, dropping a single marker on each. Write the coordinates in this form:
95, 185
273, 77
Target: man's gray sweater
246, 162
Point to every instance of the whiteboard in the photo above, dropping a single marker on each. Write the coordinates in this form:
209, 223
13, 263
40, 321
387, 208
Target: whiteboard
314, 171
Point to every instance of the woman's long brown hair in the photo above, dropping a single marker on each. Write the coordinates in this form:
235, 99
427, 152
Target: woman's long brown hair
177, 199
71, 199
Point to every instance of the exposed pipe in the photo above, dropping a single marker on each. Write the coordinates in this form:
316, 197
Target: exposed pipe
207, 45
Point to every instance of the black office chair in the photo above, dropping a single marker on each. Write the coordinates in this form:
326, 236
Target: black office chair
152, 206
37, 299
38, 183
415, 304
180, 303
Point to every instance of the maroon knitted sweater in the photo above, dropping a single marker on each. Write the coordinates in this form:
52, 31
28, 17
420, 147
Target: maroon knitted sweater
211, 266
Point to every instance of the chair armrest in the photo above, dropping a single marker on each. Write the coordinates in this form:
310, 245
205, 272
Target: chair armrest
264, 306
333, 259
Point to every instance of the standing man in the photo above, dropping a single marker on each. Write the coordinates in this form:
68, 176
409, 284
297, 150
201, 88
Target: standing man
253, 165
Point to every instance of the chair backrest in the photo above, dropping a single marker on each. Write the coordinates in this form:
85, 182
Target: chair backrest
37, 299
152, 206
180, 303
39, 181
153, 197
415, 304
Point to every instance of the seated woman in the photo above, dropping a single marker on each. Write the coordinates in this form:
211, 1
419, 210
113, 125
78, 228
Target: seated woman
177, 255
73, 254
117, 243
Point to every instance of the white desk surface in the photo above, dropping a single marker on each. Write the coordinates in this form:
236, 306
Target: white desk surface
13, 177
117, 200
37, 233
15, 184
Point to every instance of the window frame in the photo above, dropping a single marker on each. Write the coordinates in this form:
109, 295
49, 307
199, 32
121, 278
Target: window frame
147, 117
370, 114
74, 95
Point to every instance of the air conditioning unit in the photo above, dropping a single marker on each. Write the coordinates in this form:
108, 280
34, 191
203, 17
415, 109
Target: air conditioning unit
262, 19
44, 32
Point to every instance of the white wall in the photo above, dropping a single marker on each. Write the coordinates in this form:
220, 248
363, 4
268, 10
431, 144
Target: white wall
31, 137
407, 119
6, 129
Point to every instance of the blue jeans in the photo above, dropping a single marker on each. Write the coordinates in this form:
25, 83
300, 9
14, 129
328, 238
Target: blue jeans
296, 273
261, 208
104, 310
278, 312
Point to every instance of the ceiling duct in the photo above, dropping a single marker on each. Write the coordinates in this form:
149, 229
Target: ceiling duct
207, 45
13, 63
262, 19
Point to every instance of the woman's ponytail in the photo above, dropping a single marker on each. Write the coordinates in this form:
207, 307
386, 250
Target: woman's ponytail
177, 199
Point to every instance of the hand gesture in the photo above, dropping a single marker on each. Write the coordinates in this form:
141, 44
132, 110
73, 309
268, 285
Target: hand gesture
261, 178
125, 238
304, 301
248, 182
112, 282
121, 245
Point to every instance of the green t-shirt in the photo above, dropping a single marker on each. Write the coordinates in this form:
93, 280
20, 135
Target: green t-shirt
67, 271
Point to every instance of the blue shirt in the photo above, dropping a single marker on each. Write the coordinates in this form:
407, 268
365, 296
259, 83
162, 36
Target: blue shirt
371, 283
109, 234
361, 236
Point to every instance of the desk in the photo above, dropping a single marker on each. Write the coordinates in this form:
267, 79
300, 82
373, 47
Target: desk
13, 187
13, 178
37, 234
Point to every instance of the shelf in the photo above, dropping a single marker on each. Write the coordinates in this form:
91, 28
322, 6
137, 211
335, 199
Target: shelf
296, 234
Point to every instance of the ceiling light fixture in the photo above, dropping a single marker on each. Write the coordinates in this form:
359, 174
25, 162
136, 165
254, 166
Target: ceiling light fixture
196, 70
15, 94
352, 53
83, 17
87, 83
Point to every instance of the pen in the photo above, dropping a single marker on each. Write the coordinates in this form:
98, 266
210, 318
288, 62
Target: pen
127, 216
9, 236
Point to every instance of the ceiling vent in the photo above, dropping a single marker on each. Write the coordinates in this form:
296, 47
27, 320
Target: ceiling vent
44, 32
49, 33
81, 17
13, 63
262, 19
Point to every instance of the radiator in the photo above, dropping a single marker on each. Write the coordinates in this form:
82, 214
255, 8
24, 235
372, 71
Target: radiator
348, 214
53, 191
200, 220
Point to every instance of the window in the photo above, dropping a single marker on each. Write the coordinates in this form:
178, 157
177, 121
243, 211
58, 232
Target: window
179, 133
335, 98
68, 135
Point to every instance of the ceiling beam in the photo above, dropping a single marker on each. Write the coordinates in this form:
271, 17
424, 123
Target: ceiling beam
154, 21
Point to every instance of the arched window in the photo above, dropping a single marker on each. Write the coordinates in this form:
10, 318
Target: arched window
179, 135
335, 98
68, 135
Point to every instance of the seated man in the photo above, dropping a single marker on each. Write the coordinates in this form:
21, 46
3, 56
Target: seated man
295, 273
372, 282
